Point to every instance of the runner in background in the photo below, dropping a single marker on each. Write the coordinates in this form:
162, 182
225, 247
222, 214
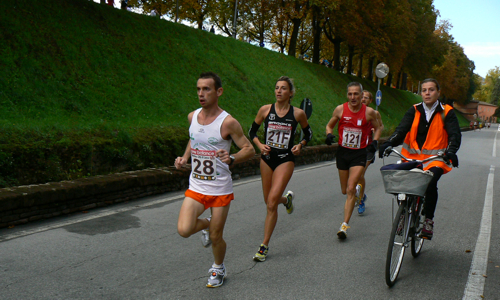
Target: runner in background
354, 120
367, 99
278, 153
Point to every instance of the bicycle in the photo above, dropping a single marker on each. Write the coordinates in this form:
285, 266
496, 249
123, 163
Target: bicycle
407, 182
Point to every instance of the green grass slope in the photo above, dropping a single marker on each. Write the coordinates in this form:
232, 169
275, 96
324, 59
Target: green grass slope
87, 89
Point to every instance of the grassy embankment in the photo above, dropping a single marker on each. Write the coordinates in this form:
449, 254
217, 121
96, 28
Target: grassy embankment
86, 89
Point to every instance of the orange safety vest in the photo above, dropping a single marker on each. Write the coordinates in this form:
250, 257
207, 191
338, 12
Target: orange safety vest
437, 140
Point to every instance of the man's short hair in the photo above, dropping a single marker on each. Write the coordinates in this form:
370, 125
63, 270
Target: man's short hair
215, 77
370, 95
430, 80
355, 83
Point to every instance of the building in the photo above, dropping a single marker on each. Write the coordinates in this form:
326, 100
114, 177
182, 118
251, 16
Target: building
485, 112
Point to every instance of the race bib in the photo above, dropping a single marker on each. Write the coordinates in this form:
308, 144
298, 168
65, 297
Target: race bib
351, 138
278, 135
204, 164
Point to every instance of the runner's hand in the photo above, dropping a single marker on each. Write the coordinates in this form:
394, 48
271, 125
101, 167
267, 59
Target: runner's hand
223, 155
372, 147
330, 139
180, 162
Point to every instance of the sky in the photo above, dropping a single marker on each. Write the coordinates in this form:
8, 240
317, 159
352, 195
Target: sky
476, 27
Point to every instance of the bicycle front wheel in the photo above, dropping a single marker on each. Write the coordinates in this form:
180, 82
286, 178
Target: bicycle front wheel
396, 248
416, 241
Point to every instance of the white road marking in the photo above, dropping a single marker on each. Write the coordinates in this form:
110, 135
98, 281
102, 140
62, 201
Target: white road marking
475, 283
495, 143
112, 211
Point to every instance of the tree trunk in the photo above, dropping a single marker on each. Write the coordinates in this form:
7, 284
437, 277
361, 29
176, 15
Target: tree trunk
316, 35
389, 79
349, 59
360, 66
103, 2
371, 60
404, 86
293, 37
398, 80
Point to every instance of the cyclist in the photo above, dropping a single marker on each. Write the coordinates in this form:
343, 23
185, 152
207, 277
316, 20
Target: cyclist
426, 128
278, 153
367, 99
354, 120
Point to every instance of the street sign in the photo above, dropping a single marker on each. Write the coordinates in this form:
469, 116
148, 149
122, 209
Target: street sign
381, 70
378, 97
307, 107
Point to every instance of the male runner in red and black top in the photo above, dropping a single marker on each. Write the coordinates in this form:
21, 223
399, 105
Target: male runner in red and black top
354, 119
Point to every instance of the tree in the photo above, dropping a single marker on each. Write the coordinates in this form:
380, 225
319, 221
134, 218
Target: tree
495, 94
259, 18
297, 11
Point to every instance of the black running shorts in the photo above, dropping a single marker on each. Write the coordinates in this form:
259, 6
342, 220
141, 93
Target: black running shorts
275, 158
347, 158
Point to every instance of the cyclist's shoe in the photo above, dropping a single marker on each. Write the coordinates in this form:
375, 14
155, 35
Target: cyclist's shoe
357, 197
217, 276
205, 236
342, 234
427, 230
361, 207
262, 253
289, 204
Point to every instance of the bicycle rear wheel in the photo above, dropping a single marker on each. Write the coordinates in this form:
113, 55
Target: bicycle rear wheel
416, 241
396, 248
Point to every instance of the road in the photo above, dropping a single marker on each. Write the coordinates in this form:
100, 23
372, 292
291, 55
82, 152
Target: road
133, 251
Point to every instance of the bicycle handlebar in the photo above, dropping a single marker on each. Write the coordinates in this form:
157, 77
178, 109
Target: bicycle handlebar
440, 154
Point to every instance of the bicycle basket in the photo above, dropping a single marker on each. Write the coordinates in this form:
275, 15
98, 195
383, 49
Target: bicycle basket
412, 182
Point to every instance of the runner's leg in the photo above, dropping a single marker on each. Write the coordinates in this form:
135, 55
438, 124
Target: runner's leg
280, 178
354, 173
188, 222
219, 217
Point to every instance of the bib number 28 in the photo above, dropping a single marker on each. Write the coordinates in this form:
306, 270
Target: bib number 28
204, 164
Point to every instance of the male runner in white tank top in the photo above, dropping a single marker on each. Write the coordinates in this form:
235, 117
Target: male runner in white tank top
210, 186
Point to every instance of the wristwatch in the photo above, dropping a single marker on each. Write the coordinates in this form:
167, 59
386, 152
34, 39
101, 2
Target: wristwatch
232, 159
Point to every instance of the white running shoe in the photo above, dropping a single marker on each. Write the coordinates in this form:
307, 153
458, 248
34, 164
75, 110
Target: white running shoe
205, 237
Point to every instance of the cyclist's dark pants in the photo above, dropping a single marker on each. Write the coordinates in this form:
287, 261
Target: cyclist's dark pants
431, 195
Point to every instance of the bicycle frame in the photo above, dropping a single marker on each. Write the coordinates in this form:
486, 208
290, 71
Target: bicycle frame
406, 233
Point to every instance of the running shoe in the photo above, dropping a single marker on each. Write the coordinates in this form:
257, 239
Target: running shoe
342, 234
361, 207
357, 197
427, 230
289, 204
217, 276
205, 236
262, 253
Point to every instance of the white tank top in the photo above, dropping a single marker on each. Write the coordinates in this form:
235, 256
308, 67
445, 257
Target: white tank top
209, 175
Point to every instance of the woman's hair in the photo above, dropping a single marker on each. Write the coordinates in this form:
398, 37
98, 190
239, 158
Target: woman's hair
290, 84
431, 80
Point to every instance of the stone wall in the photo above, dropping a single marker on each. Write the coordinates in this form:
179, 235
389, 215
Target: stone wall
23, 204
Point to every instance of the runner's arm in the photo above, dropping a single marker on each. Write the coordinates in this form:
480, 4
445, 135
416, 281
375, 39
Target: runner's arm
182, 160
233, 128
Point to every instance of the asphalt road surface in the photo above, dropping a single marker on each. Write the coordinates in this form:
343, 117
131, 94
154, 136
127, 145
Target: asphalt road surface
133, 251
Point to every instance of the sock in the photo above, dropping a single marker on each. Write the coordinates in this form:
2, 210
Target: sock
218, 266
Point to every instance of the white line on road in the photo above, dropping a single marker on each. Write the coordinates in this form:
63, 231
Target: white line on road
112, 211
475, 283
495, 143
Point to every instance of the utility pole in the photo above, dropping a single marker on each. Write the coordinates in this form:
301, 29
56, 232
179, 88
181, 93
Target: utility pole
176, 10
235, 17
